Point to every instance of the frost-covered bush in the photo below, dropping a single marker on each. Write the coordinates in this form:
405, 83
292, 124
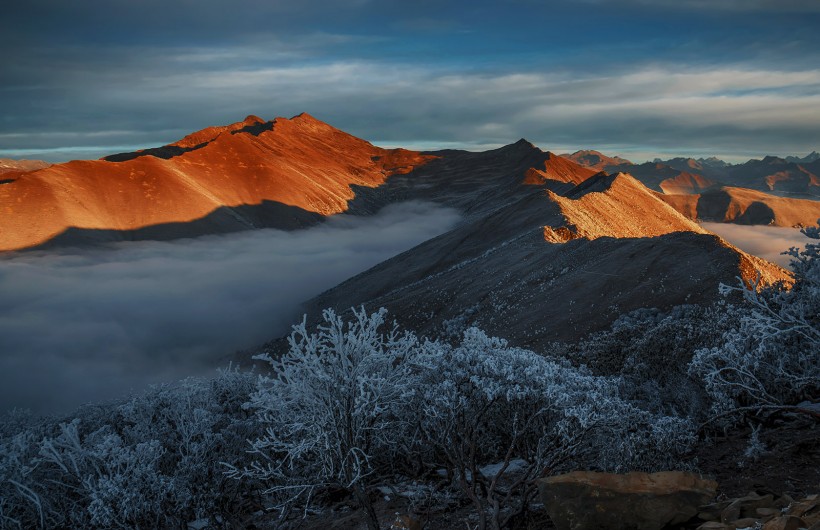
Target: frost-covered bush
150, 462
349, 405
651, 350
484, 402
20, 507
772, 357
332, 408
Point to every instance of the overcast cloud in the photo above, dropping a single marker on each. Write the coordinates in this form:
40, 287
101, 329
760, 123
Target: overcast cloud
77, 326
728, 78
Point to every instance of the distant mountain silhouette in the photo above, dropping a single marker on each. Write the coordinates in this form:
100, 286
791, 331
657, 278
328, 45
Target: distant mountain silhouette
811, 157
775, 177
596, 160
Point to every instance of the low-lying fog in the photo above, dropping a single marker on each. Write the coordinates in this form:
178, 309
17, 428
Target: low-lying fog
767, 242
79, 326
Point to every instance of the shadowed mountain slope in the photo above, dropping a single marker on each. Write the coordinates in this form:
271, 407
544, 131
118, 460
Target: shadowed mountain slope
209, 178
548, 267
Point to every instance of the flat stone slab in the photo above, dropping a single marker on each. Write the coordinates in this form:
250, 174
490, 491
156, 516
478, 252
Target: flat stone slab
585, 500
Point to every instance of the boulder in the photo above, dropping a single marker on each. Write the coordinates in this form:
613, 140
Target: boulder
636, 501
784, 522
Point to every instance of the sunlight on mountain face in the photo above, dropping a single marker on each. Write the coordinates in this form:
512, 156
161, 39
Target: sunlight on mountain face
301, 164
87, 325
767, 242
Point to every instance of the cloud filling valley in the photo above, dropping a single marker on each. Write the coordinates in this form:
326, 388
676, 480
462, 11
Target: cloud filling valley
85, 325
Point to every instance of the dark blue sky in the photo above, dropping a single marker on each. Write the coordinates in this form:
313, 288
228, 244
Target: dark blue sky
733, 78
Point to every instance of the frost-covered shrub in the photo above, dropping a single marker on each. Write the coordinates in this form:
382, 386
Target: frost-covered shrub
332, 408
103, 481
20, 507
651, 350
772, 357
150, 462
349, 404
483, 402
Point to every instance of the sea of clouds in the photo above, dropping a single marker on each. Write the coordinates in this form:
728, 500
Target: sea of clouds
86, 325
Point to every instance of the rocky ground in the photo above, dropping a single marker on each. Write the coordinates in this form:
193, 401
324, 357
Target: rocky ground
773, 488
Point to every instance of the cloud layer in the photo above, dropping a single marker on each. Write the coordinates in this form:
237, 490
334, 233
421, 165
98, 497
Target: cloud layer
730, 78
767, 242
79, 326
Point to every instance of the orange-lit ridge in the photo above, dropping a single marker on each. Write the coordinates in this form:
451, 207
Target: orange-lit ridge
299, 162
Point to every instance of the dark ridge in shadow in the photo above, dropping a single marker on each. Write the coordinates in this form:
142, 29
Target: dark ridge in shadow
475, 183
6, 181
633, 273
598, 182
223, 220
713, 205
255, 129
165, 152
757, 213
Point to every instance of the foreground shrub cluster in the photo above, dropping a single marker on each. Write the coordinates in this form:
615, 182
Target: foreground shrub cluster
150, 462
349, 406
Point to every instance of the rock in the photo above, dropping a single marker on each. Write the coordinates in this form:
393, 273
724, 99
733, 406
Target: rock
639, 501
711, 512
731, 512
746, 507
767, 512
746, 522
783, 501
715, 525
784, 522
807, 508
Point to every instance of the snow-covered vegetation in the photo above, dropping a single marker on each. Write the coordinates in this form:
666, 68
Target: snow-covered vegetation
771, 358
149, 462
350, 406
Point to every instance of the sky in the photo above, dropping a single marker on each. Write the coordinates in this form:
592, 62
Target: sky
641, 78
80, 326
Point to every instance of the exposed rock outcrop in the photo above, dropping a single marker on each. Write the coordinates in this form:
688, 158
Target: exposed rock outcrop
585, 500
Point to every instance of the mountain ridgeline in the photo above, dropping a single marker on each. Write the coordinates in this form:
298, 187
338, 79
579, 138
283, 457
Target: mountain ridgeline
285, 173
547, 249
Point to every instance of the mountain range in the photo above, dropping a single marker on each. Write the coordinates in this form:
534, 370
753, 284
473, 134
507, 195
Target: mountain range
791, 176
550, 247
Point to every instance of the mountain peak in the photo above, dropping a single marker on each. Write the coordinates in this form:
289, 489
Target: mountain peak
305, 117
521, 145
252, 120
596, 160
811, 157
